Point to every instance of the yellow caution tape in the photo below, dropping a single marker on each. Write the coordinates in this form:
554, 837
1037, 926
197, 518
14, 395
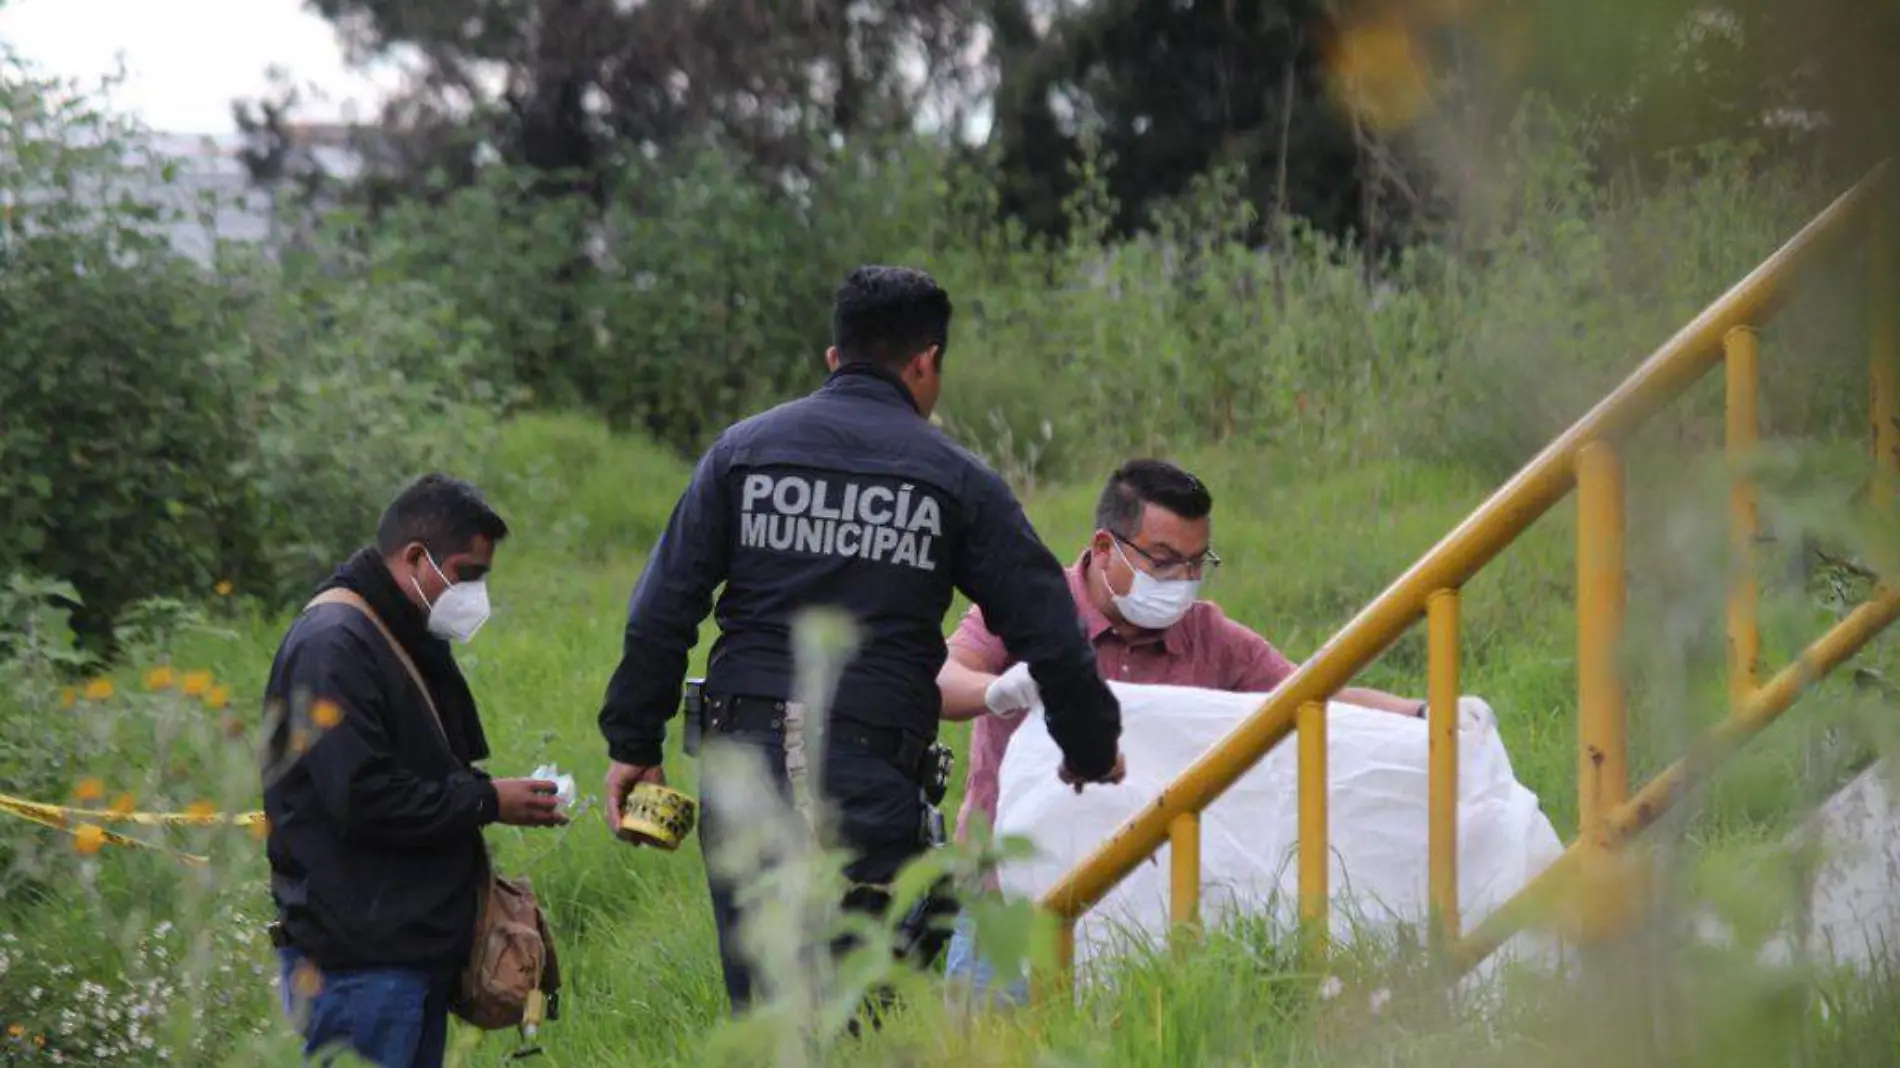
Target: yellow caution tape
73, 820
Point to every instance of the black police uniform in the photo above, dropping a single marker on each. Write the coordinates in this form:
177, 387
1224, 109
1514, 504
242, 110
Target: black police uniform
847, 497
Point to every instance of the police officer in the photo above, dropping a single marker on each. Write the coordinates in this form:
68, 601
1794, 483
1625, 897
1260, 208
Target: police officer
848, 497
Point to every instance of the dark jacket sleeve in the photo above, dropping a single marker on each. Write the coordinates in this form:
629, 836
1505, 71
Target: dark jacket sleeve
351, 765
669, 602
1024, 594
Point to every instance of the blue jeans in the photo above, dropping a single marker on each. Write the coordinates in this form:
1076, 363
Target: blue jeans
962, 965
393, 1017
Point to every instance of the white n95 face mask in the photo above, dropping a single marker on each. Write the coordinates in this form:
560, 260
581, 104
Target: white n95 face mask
1151, 602
462, 608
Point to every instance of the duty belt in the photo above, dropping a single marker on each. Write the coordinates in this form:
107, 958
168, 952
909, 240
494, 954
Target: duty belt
905, 751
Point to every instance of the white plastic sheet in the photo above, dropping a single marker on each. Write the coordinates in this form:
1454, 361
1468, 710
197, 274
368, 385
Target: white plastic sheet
1377, 767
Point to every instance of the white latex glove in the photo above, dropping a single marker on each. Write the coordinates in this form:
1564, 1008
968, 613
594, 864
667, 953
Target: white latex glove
1012, 693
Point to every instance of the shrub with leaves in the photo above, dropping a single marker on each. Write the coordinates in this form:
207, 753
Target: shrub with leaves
171, 425
118, 437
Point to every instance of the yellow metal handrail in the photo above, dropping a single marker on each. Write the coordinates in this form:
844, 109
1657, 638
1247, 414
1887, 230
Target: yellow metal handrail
1585, 457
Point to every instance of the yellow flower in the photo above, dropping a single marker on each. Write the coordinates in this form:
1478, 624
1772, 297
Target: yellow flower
260, 828
202, 812
160, 678
325, 713
17, 1030
306, 981
224, 588
123, 805
68, 697
89, 838
89, 789
217, 697
196, 683
98, 689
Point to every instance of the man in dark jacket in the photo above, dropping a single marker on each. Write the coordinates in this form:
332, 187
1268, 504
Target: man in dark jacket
848, 498
376, 810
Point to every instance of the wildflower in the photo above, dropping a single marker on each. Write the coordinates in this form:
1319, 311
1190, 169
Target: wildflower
98, 690
1330, 988
160, 678
88, 839
16, 1030
89, 789
1380, 998
68, 697
217, 697
306, 982
196, 683
124, 805
325, 713
224, 588
202, 811
260, 828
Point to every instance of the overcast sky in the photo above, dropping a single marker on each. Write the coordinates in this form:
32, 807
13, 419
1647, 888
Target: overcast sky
186, 60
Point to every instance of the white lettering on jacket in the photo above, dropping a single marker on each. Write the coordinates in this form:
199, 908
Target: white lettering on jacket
839, 516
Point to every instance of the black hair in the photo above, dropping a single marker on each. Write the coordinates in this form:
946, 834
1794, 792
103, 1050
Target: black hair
887, 315
445, 514
1142, 482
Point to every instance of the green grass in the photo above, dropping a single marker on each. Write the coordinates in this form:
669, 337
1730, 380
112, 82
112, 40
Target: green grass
1304, 550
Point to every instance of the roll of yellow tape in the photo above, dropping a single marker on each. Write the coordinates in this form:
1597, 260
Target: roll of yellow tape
658, 815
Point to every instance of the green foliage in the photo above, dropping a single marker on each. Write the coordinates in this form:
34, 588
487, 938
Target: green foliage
117, 436
169, 427
704, 297
130, 956
353, 384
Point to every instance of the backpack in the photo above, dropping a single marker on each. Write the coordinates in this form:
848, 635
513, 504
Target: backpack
511, 967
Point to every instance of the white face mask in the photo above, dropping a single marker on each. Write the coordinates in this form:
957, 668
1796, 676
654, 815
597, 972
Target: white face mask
1152, 602
460, 611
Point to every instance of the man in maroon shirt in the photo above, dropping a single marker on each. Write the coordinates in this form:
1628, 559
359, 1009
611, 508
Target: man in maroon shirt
1136, 592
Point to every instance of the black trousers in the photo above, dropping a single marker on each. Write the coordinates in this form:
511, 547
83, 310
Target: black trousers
876, 813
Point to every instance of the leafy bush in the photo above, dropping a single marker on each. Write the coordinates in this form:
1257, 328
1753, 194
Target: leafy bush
708, 298
118, 435
352, 386
169, 425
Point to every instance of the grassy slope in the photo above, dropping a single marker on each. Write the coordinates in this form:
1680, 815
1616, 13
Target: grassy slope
1302, 551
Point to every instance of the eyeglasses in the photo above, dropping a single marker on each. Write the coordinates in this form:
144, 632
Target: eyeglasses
1173, 568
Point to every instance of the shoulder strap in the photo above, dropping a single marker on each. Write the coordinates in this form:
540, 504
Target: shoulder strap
338, 595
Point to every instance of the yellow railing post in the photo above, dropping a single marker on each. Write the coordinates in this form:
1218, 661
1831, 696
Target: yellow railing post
1314, 847
1441, 685
1885, 355
1184, 871
1744, 633
1603, 760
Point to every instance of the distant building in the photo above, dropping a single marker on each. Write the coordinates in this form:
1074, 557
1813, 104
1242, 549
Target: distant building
211, 173
214, 167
